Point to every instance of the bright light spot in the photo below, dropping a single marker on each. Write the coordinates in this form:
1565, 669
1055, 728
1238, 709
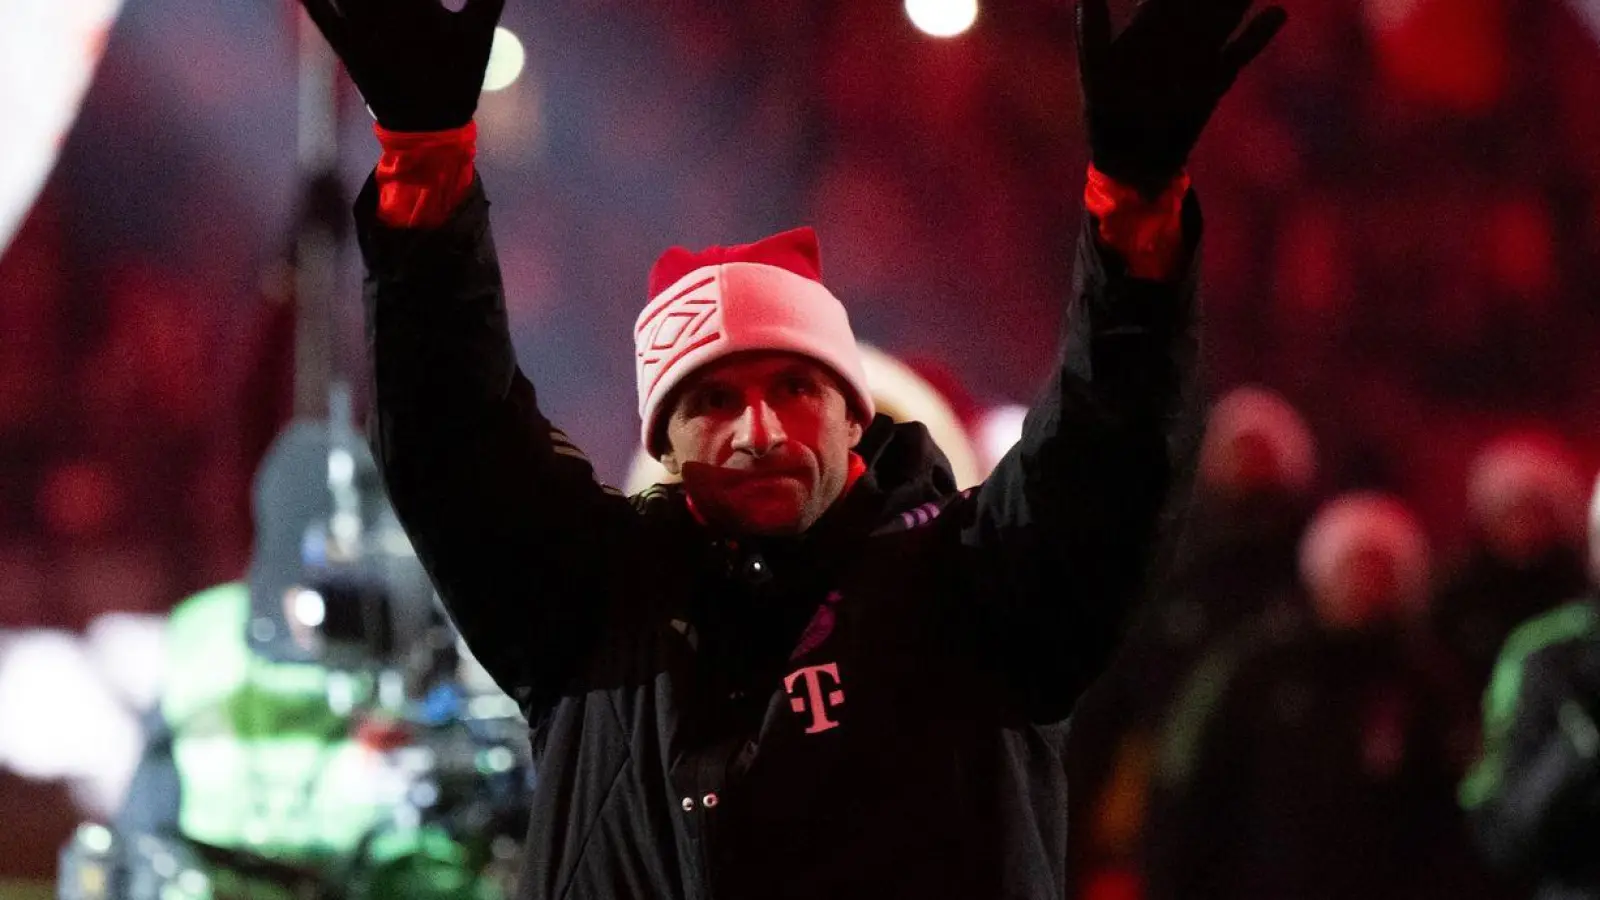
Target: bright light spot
416, 760
127, 649
391, 690
164, 866
194, 883
346, 527
942, 18
492, 706
48, 51
341, 468
506, 59
407, 817
341, 693
58, 719
1000, 428
310, 609
96, 837
425, 794
499, 759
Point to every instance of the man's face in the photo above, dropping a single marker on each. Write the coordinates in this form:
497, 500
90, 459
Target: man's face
1525, 531
1244, 466
1367, 589
762, 441
1370, 585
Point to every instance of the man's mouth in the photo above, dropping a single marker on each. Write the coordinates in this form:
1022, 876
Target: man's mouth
742, 477
728, 477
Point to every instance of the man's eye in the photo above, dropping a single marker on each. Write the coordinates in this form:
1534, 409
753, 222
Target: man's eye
716, 400
800, 386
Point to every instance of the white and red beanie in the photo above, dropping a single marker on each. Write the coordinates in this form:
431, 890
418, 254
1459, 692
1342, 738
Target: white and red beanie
720, 301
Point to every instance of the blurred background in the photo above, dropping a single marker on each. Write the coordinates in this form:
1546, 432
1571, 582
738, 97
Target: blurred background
1403, 224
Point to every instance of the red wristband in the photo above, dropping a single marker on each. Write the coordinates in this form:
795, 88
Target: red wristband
422, 175
1147, 233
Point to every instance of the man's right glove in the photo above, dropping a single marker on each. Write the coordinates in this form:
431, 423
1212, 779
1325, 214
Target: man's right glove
1148, 94
418, 65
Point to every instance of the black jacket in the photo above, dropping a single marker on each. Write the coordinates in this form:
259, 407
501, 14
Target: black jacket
1311, 764
875, 709
1235, 562
1486, 598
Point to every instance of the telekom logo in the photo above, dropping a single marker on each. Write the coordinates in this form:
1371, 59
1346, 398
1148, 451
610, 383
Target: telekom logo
813, 700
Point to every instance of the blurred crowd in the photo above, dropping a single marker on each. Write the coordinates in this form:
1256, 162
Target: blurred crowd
1403, 207
1302, 705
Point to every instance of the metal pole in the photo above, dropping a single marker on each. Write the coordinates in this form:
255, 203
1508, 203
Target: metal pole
317, 241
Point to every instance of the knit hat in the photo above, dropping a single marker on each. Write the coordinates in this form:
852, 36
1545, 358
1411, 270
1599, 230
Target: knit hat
1528, 466
723, 300
1366, 520
1253, 411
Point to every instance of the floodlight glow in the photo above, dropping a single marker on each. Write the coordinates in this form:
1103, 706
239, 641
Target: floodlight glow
96, 837
942, 18
194, 883
127, 650
341, 468
499, 759
346, 528
999, 429
310, 609
48, 52
59, 719
506, 59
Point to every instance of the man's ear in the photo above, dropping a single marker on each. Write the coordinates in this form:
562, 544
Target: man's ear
857, 431
669, 461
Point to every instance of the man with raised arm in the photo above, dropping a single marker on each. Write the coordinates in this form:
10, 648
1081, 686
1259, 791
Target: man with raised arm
811, 668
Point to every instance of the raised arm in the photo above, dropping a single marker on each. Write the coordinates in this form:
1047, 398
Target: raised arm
1061, 536
520, 539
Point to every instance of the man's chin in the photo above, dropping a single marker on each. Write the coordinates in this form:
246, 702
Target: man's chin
768, 510
768, 522
761, 512
772, 505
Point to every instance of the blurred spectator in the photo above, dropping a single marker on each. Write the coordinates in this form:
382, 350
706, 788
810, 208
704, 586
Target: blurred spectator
1525, 503
1235, 561
1446, 54
1534, 796
1307, 756
1364, 562
1253, 493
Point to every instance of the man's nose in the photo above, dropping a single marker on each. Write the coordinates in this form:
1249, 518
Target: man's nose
758, 430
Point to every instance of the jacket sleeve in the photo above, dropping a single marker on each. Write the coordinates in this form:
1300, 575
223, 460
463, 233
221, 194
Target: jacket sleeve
521, 541
1059, 539
1534, 796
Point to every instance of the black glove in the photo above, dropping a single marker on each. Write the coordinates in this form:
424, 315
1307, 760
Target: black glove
418, 65
1148, 94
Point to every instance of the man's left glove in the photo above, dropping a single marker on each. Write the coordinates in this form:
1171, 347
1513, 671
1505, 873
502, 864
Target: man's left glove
1148, 94
418, 65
